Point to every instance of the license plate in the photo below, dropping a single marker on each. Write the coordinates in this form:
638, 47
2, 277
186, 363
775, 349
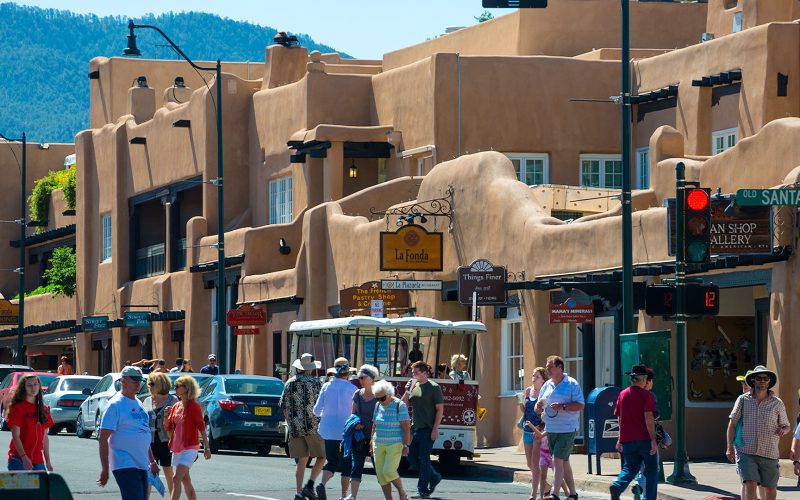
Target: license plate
254, 424
263, 411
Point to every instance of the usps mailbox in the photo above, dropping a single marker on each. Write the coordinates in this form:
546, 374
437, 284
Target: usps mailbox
602, 426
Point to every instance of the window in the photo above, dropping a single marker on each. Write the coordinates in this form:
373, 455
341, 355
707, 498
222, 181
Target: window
722, 140
573, 355
737, 21
106, 249
532, 169
602, 171
643, 168
512, 375
280, 200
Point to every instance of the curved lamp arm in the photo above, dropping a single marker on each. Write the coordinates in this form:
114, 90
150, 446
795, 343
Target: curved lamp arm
132, 26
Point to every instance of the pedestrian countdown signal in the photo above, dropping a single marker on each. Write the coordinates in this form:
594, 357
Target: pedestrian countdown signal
702, 300
697, 223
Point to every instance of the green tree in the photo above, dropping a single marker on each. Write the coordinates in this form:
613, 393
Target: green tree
60, 275
485, 16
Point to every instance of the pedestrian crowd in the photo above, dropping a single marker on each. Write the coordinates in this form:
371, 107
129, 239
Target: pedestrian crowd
338, 424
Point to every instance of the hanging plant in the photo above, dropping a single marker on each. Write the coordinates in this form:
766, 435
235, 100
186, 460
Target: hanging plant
39, 200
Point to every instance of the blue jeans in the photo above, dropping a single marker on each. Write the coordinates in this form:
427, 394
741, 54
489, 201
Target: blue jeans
15, 463
132, 483
636, 453
419, 455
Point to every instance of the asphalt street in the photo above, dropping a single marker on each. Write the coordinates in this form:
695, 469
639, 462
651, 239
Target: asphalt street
234, 475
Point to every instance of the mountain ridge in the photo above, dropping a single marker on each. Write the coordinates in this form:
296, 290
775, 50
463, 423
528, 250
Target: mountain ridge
45, 54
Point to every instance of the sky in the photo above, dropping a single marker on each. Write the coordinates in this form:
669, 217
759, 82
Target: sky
365, 29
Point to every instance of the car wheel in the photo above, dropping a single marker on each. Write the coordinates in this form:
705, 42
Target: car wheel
97, 425
55, 429
263, 450
80, 430
449, 462
213, 444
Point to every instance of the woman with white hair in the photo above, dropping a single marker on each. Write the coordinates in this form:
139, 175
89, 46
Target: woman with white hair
364, 403
459, 364
391, 439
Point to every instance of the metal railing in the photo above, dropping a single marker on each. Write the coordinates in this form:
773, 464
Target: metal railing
151, 260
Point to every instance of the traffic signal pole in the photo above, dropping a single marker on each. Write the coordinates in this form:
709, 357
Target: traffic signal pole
680, 473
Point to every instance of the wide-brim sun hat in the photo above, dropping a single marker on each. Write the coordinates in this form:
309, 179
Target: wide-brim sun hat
758, 370
307, 362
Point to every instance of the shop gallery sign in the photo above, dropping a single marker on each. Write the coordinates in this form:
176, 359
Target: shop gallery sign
9, 313
411, 248
486, 281
740, 230
359, 298
567, 308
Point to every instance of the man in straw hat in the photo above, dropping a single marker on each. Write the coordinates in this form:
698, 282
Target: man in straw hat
334, 406
297, 402
764, 422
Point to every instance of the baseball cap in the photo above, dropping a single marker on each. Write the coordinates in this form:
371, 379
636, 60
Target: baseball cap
637, 370
132, 373
212, 356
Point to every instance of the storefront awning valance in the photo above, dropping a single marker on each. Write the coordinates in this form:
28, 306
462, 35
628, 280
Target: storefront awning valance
359, 142
45, 236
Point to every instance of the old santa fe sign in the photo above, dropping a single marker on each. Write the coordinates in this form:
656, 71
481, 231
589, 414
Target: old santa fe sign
411, 248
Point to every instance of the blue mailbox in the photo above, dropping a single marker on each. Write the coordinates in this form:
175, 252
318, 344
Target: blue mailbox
602, 426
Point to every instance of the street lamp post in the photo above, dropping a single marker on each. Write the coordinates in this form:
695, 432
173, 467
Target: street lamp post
21, 270
132, 50
627, 230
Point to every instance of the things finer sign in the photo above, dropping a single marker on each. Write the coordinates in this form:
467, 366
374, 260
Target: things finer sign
484, 279
411, 248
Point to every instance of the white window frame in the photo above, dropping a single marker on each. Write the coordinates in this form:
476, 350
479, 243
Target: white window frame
738, 22
280, 209
506, 387
725, 135
106, 232
643, 168
570, 332
602, 158
531, 156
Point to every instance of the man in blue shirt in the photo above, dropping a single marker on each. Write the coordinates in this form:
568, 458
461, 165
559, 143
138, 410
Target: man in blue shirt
211, 368
125, 433
561, 401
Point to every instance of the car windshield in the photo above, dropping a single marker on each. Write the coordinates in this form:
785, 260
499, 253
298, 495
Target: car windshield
46, 379
253, 386
78, 384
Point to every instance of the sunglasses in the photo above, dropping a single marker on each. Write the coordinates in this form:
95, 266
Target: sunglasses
761, 379
151, 384
179, 385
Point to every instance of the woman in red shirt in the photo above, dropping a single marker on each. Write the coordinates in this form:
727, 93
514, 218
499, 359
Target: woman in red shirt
28, 418
185, 420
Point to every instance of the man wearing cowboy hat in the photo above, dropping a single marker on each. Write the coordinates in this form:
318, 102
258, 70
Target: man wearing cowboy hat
637, 435
334, 406
764, 422
297, 402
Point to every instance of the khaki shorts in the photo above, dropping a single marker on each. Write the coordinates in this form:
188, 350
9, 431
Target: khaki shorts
311, 445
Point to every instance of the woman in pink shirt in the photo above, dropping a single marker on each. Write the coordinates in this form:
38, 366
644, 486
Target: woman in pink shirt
185, 420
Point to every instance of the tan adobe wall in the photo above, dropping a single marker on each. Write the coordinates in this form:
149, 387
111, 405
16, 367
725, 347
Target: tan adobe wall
565, 28
754, 13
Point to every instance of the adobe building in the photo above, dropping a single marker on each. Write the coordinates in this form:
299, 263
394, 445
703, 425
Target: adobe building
318, 149
48, 318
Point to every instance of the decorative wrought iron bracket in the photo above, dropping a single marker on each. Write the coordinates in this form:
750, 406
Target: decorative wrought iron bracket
407, 212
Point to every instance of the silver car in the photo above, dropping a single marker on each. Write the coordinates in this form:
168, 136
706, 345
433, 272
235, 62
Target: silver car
91, 410
64, 396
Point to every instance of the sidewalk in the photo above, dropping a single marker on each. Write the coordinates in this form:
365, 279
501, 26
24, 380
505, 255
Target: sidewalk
715, 480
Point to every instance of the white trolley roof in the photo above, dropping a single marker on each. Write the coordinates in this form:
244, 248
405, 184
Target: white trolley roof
366, 322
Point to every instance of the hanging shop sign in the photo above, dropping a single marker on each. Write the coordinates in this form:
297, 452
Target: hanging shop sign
95, 323
137, 319
566, 308
247, 330
488, 282
411, 284
735, 229
411, 248
9, 313
768, 197
246, 315
359, 298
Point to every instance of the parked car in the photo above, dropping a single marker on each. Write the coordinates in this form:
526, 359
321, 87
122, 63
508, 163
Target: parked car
91, 410
202, 380
7, 390
64, 396
6, 369
242, 412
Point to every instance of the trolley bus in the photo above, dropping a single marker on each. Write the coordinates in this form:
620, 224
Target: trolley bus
391, 344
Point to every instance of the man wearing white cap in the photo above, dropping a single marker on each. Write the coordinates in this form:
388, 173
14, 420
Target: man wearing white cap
334, 407
211, 368
297, 402
125, 433
764, 422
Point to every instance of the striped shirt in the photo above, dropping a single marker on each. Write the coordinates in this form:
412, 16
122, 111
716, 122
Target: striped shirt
387, 422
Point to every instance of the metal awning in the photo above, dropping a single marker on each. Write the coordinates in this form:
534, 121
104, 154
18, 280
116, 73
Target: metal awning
45, 236
354, 322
